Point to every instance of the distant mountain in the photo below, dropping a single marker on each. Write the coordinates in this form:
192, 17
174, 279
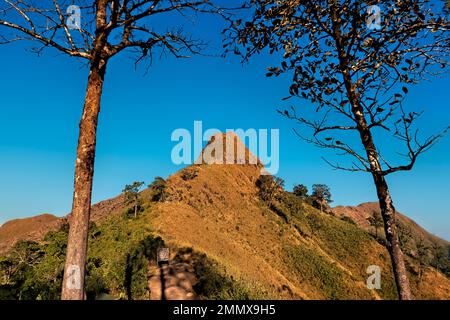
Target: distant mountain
362, 212
226, 242
33, 228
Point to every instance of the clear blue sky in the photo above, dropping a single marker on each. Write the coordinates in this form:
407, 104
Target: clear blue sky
41, 100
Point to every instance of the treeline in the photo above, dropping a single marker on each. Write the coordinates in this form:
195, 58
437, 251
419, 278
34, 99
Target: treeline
271, 186
34, 271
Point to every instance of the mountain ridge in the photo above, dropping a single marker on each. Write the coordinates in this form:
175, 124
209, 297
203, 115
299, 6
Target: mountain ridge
278, 249
363, 211
10, 230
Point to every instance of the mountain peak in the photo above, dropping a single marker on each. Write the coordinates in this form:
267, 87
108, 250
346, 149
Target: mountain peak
227, 148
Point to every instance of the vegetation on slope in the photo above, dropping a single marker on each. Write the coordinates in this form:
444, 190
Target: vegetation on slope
421, 249
120, 251
239, 245
335, 254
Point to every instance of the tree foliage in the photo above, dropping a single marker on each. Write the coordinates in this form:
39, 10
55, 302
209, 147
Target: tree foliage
376, 221
269, 187
347, 69
32, 271
322, 192
301, 191
117, 263
423, 256
131, 195
158, 187
320, 196
441, 258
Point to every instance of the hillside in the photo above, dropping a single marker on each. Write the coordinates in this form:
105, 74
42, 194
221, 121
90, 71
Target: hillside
225, 243
362, 212
33, 228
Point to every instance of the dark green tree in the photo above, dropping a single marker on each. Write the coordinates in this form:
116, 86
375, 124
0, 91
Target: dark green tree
7, 267
131, 195
159, 187
423, 256
441, 258
301, 191
376, 221
405, 237
19, 270
269, 187
26, 252
321, 196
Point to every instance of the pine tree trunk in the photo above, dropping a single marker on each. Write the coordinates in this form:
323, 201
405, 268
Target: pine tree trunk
393, 245
74, 275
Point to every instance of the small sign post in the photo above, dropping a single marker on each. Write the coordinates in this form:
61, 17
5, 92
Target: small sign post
162, 256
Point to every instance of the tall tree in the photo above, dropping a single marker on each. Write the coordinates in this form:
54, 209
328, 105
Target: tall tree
97, 31
158, 186
321, 195
376, 221
423, 256
131, 195
353, 60
301, 191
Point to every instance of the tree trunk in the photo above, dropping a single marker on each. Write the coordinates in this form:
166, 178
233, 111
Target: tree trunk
393, 245
384, 198
386, 206
74, 275
135, 211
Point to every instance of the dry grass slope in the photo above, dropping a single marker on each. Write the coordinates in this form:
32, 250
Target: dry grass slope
285, 250
293, 252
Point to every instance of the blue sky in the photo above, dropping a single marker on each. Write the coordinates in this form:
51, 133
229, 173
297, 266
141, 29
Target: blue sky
41, 100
